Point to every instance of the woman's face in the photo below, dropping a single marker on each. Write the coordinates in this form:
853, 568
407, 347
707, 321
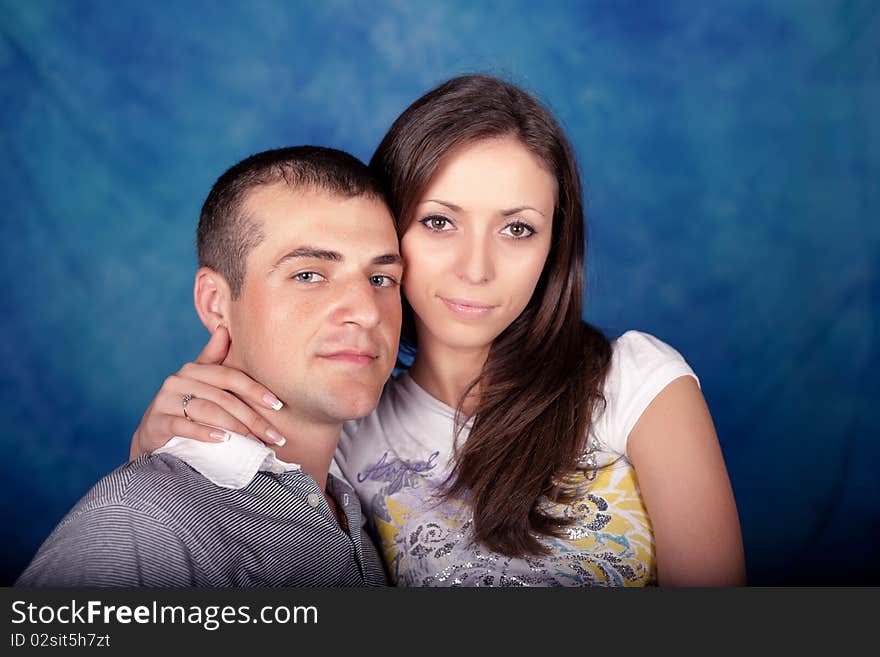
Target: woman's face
477, 243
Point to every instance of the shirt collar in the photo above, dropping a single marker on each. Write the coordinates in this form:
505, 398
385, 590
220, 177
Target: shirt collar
230, 464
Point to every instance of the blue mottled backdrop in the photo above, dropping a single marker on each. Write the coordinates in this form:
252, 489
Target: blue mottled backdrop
731, 152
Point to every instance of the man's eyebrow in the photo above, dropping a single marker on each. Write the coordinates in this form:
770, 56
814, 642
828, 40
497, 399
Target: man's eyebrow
310, 252
388, 259
334, 256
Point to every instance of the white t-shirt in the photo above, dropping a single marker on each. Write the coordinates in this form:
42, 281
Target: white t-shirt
397, 457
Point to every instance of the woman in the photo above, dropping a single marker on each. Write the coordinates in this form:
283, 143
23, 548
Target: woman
521, 447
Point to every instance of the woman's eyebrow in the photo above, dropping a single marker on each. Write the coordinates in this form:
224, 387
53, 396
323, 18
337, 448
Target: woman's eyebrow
451, 206
503, 213
507, 213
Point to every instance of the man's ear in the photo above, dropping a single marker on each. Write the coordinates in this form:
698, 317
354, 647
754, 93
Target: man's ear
213, 298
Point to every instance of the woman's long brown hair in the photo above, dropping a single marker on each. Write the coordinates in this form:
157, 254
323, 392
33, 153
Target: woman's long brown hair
542, 382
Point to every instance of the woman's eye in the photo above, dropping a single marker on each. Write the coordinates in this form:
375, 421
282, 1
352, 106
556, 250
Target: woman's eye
381, 280
518, 230
437, 223
308, 277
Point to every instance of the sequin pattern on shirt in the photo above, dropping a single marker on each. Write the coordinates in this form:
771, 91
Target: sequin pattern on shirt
428, 542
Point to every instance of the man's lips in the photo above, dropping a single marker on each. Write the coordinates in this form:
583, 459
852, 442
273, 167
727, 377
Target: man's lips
467, 307
350, 356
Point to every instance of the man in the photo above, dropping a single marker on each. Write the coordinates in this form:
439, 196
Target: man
299, 262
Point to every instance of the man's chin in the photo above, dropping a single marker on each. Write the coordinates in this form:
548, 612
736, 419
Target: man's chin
352, 403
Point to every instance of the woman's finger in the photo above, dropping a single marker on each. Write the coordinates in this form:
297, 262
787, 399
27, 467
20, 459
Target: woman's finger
216, 349
205, 412
233, 380
183, 428
211, 405
160, 428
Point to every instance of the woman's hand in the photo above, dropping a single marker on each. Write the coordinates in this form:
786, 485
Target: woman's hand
221, 397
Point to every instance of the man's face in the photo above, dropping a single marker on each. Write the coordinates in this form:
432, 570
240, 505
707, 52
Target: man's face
318, 317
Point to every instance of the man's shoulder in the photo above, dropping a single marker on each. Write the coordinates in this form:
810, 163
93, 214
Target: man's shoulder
150, 484
129, 529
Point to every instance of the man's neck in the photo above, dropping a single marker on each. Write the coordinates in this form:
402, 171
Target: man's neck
310, 443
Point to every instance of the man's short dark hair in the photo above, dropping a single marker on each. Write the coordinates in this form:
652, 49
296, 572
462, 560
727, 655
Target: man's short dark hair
226, 234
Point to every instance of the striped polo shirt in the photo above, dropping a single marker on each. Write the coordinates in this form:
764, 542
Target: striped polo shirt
157, 522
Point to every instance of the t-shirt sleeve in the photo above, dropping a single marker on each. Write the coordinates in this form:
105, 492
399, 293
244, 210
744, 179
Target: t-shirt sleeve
111, 546
641, 367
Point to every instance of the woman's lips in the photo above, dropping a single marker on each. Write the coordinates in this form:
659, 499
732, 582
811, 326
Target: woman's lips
467, 307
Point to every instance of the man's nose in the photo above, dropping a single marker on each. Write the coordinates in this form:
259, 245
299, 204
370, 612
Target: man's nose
358, 305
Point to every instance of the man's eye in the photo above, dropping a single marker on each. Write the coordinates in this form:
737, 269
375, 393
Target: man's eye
518, 230
308, 277
437, 223
381, 280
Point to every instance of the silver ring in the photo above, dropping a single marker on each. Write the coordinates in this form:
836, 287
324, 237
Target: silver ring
184, 401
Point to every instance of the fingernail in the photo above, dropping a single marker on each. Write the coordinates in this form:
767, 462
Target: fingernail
272, 401
276, 437
220, 436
